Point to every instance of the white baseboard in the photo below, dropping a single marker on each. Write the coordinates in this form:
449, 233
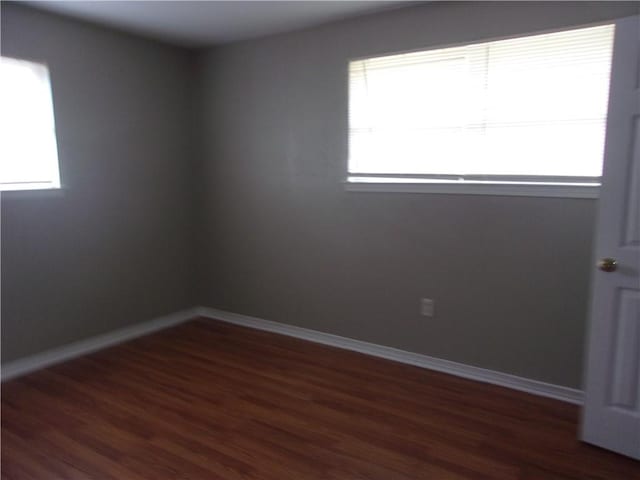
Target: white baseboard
83, 347
534, 387
45, 359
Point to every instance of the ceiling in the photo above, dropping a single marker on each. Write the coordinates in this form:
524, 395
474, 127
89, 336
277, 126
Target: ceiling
205, 23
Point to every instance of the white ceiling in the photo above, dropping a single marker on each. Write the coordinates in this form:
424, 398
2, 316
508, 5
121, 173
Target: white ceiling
204, 23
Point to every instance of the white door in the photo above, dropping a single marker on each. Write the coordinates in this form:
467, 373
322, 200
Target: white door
611, 416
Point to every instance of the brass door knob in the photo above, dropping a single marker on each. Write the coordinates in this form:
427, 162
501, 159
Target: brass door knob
608, 264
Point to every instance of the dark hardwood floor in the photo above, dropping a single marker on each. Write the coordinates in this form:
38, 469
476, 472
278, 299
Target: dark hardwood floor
208, 400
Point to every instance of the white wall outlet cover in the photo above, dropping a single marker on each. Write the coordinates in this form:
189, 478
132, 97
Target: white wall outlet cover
427, 307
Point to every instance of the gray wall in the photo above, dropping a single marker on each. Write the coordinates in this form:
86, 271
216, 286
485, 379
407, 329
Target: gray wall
259, 223
282, 240
114, 247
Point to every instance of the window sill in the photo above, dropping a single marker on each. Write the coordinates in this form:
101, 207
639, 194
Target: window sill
35, 192
473, 188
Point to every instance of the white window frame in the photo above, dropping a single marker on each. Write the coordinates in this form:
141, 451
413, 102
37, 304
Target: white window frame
578, 187
52, 182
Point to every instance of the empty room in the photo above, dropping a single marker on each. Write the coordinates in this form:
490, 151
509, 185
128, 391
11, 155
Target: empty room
359, 240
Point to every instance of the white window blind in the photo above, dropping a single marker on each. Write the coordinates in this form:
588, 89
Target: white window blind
529, 110
28, 150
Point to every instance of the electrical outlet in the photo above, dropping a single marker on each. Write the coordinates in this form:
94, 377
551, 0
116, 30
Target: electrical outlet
427, 307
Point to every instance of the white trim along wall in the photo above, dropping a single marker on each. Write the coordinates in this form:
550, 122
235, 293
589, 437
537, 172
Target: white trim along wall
51, 357
25, 365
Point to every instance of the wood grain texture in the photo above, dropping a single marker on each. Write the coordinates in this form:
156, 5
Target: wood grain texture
209, 400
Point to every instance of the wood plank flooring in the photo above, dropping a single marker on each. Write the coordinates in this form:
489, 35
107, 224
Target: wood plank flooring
209, 400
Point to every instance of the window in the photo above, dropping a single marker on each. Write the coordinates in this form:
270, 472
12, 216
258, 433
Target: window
515, 114
28, 151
